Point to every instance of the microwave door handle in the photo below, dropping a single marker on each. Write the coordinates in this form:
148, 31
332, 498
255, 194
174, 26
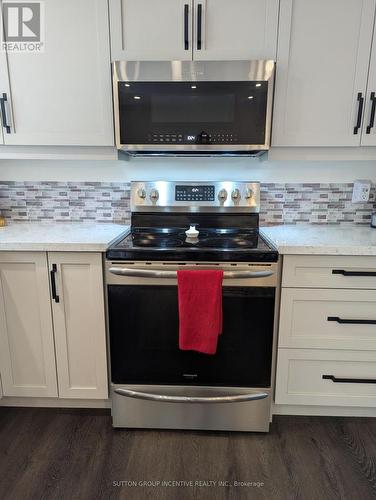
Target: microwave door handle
146, 273
166, 398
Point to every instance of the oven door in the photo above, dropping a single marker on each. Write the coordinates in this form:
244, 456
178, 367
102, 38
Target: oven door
144, 328
178, 113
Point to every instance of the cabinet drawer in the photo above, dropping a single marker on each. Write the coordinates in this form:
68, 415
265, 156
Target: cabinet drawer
329, 271
351, 378
328, 319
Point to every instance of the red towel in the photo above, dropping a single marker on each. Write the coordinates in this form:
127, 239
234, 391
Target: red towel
200, 310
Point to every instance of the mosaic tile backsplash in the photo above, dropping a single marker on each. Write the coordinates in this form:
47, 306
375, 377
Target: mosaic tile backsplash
109, 202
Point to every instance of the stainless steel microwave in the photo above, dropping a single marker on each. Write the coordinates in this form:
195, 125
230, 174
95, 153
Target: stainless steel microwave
188, 108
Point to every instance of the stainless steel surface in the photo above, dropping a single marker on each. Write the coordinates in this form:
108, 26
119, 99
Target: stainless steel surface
249, 200
139, 413
193, 71
145, 273
164, 273
181, 152
168, 398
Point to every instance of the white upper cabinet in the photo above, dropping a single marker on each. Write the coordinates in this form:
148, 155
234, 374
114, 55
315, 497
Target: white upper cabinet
151, 30
79, 324
62, 96
322, 67
235, 29
27, 356
369, 131
148, 30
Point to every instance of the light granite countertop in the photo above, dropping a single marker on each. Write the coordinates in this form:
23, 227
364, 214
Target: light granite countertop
60, 236
309, 239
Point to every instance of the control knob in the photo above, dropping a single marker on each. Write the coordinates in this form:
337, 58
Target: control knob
141, 193
222, 195
248, 194
154, 195
235, 195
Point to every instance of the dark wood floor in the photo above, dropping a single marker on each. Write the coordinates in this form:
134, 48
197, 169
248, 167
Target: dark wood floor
75, 454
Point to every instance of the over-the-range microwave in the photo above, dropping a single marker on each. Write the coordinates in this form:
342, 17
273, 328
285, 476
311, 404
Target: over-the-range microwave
193, 108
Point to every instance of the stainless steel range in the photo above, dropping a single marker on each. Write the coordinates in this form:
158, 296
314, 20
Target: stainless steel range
191, 225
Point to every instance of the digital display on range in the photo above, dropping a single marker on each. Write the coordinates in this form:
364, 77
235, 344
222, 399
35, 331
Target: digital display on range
194, 193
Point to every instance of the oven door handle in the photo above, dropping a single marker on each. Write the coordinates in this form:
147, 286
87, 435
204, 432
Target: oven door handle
164, 398
146, 273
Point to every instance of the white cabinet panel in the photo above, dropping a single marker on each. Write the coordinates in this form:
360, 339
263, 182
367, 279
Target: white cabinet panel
300, 378
79, 325
322, 65
150, 30
62, 96
314, 318
236, 29
316, 271
369, 131
27, 357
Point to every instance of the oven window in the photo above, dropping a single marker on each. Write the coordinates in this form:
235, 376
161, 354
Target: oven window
180, 112
144, 329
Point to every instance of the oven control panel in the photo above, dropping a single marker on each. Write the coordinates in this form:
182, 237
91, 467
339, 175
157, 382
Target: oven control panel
224, 196
194, 193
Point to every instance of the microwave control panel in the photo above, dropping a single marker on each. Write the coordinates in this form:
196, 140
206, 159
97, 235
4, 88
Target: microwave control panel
202, 138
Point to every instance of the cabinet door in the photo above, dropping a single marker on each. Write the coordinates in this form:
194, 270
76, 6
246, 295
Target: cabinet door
322, 65
151, 30
27, 357
236, 29
369, 130
79, 325
62, 96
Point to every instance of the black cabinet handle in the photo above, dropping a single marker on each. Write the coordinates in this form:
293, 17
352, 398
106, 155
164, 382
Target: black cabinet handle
353, 273
350, 380
372, 117
4, 98
53, 283
186, 26
360, 100
199, 26
352, 321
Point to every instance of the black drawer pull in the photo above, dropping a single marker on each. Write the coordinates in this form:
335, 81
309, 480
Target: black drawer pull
372, 117
53, 283
350, 380
352, 321
199, 26
353, 273
186, 27
360, 100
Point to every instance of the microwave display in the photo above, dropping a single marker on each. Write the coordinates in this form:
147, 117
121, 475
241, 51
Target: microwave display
205, 112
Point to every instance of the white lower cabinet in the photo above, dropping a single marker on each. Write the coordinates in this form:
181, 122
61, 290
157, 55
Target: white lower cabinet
327, 332
326, 377
79, 325
27, 357
49, 348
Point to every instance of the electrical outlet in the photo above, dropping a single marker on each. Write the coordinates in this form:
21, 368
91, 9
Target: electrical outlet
361, 191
